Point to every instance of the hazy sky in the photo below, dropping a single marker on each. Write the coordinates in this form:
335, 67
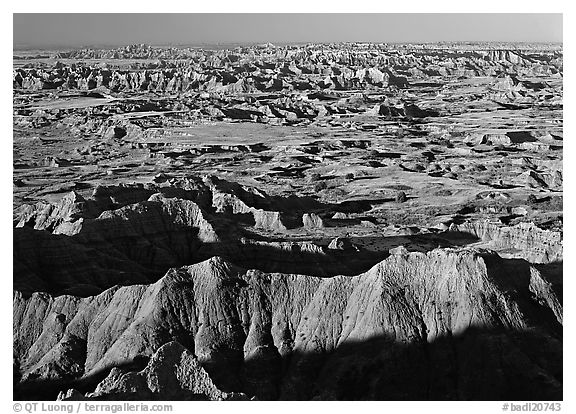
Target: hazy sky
41, 30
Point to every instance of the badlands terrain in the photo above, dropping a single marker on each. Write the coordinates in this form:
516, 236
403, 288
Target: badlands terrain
321, 221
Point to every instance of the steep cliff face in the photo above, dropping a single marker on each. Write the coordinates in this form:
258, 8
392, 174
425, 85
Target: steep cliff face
524, 240
449, 324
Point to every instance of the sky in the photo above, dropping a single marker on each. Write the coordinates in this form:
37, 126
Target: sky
75, 30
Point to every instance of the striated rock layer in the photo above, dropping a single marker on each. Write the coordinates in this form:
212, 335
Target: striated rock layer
524, 240
447, 324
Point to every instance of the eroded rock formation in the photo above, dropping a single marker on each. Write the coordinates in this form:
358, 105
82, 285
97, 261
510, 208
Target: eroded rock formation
293, 336
351, 221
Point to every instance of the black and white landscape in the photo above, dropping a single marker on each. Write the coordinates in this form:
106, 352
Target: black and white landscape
295, 221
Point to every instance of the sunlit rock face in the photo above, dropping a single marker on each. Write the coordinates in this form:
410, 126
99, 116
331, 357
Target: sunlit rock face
268, 334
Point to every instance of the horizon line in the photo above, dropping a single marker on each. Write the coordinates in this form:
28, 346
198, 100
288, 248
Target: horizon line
24, 46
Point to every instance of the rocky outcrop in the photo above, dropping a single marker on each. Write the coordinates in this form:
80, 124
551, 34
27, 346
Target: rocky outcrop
313, 221
173, 373
132, 234
525, 240
301, 257
287, 68
546, 292
234, 199
61, 218
122, 246
403, 329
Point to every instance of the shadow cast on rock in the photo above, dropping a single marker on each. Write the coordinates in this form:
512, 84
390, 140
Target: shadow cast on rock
477, 364
60, 264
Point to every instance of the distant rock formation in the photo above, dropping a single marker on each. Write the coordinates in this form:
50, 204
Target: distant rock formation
524, 240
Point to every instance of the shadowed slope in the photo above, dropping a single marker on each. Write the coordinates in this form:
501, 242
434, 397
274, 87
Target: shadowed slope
448, 324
